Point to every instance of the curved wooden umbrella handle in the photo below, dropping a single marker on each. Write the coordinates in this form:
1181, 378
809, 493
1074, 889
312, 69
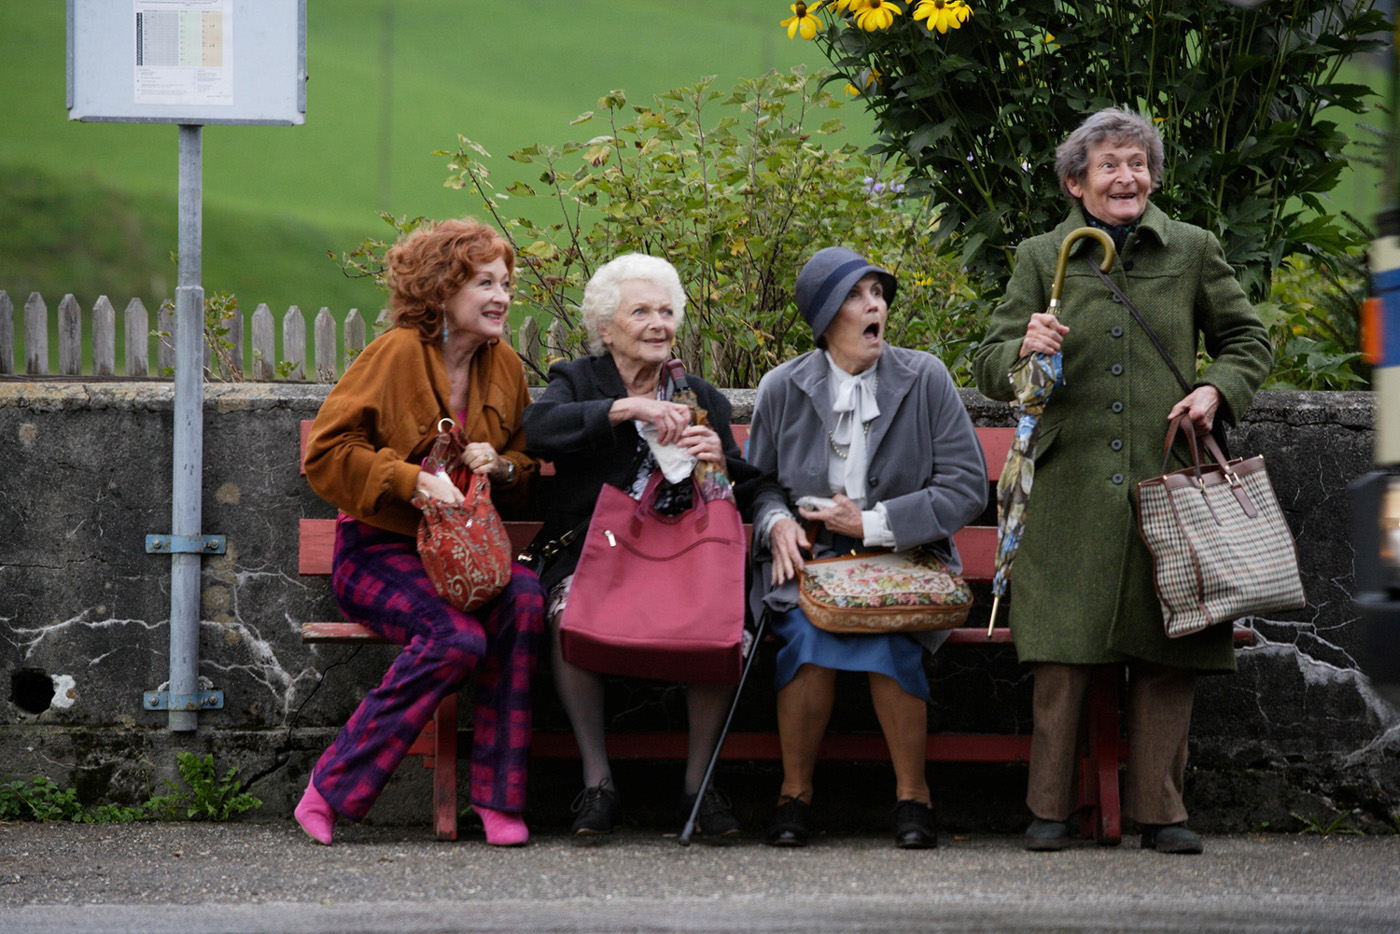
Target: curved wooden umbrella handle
1109, 254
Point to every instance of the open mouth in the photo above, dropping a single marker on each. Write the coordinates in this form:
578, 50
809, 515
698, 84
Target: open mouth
872, 332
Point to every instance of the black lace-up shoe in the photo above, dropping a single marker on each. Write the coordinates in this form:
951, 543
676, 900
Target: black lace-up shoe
716, 817
789, 826
914, 826
596, 808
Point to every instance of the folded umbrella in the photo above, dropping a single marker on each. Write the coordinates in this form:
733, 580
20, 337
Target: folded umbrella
1034, 377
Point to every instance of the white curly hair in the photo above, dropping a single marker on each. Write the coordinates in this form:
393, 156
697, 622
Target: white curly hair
604, 291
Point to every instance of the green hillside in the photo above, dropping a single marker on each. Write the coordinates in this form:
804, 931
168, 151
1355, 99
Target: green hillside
90, 208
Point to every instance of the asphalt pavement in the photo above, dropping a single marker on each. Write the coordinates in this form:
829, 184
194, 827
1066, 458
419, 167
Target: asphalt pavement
191, 878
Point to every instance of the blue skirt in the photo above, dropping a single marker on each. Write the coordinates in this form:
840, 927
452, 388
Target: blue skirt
897, 656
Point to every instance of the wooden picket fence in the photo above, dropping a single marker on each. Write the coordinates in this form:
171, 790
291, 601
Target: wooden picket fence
323, 359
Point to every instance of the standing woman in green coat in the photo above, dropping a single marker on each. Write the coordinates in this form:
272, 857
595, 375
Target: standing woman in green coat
1083, 591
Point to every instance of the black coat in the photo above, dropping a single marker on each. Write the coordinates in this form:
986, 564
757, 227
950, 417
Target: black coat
568, 425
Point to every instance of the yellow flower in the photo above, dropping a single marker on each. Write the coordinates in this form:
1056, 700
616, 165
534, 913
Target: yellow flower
873, 14
942, 14
839, 6
803, 19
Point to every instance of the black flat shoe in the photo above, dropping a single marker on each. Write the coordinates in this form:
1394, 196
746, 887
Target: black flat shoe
1171, 838
914, 826
1047, 836
789, 826
597, 809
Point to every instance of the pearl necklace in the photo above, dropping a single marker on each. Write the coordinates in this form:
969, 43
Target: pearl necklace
830, 436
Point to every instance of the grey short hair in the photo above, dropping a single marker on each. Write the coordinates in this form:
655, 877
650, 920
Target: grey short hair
1118, 126
604, 291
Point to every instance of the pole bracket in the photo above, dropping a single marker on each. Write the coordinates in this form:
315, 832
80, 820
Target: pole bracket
186, 544
164, 700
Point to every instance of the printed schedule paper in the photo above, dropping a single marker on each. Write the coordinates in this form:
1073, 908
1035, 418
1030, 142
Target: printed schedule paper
184, 52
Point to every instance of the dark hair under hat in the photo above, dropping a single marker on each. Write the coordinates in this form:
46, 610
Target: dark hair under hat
827, 278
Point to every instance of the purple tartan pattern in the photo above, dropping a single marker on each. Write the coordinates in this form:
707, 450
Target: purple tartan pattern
379, 582
1214, 563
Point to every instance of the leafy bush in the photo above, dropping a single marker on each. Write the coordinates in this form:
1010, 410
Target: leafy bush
978, 108
737, 201
1313, 317
205, 798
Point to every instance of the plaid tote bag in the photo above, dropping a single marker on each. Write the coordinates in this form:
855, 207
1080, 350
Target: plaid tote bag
1220, 546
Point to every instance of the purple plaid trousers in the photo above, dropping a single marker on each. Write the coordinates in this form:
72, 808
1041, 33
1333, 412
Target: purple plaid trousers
379, 582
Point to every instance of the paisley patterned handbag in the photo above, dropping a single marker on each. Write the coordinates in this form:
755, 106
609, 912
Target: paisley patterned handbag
883, 592
464, 547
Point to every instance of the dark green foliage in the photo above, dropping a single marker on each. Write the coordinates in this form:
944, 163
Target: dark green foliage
1240, 96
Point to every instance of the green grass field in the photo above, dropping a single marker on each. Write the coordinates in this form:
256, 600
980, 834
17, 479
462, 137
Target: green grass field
90, 208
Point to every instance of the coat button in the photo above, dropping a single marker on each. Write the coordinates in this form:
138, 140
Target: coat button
1116, 369
1117, 478
1116, 331
1117, 299
874, 482
1116, 444
1117, 407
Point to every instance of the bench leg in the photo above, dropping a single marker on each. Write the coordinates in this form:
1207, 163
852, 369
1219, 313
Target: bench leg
445, 769
1098, 778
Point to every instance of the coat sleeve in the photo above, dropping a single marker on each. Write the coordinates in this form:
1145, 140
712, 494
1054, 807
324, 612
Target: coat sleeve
1235, 338
956, 491
768, 494
346, 464
512, 397
569, 417
1026, 294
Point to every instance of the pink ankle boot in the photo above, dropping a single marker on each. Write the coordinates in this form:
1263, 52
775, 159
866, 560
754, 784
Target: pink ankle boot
316, 816
502, 828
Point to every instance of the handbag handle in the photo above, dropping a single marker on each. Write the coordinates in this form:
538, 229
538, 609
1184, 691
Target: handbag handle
1212, 447
648, 500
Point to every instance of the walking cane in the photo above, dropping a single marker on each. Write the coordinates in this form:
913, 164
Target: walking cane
689, 829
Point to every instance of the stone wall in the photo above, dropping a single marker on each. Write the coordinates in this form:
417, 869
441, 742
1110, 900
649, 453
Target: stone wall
84, 617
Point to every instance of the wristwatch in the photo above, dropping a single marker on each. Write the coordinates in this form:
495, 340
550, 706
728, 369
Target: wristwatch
510, 473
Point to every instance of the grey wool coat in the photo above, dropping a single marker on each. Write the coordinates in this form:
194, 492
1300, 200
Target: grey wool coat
925, 465
1081, 586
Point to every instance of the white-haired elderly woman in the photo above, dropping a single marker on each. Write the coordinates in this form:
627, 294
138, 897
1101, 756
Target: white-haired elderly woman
1083, 592
587, 422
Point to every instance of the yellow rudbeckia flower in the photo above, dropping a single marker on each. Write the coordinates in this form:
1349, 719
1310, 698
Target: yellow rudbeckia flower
803, 19
874, 14
942, 14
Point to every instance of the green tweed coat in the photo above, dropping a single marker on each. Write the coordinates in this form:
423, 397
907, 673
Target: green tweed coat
1081, 585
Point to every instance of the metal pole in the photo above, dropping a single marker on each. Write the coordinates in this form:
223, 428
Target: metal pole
185, 517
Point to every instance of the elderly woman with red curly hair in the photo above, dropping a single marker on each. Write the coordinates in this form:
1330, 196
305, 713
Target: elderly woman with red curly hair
442, 358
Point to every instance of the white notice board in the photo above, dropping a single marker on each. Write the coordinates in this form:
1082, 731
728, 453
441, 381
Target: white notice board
187, 61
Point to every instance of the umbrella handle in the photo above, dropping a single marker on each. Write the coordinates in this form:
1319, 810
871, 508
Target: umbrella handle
1109, 254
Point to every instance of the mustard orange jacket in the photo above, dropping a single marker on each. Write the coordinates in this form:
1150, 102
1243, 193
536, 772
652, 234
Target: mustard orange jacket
380, 420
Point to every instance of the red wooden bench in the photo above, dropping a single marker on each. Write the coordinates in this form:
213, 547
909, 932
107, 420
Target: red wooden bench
1102, 750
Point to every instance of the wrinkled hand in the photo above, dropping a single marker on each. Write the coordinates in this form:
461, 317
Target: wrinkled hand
844, 518
1044, 334
702, 442
786, 541
480, 457
435, 487
669, 418
1200, 407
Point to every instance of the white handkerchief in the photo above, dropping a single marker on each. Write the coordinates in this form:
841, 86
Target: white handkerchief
675, 464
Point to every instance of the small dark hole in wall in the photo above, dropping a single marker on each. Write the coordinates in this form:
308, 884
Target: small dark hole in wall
31, 690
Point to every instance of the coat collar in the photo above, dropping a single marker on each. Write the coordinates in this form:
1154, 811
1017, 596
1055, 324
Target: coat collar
1153, 224
811, 375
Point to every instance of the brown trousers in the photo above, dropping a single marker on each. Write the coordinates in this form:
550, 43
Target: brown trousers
1158, 722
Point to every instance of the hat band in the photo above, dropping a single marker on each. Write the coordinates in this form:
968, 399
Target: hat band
833, 279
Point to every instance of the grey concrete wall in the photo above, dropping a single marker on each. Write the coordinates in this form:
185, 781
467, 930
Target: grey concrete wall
84, 617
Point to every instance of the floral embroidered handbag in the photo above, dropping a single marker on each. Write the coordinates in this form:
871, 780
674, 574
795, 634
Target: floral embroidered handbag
464, 547
883, 592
